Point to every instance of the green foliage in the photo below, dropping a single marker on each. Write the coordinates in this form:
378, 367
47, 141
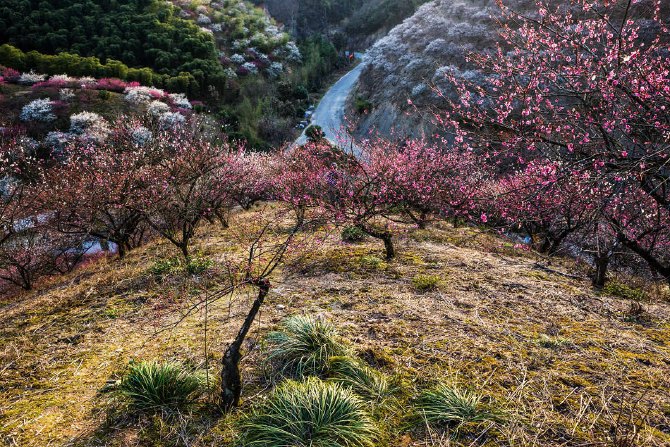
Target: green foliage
552, 342
154, 386
303, 346
373, 262
370, 384
194, 266
312, 413
362, 105
320, 58
314, 133
139, 33
353, 234
425, 283
164, 267
625, 291
446, 405
104, 95
198, 264
75, 65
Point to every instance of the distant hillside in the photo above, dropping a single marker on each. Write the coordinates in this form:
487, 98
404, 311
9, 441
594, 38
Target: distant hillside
409, 63
356, 23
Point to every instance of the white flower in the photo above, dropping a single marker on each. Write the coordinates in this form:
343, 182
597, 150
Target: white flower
180, 100
250, 67
203, 20
66, 94
38, 110
62, 78
141, 135
31, 78
229, 73
87, 80
89, 126
217, 28
142, 94
237, 59
170, 119
157, 108
57, 140
275, 69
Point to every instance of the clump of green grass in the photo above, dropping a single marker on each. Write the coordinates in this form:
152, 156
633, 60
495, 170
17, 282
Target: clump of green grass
164, 267
160, 386
311, 413
425, 283
373, 262
303, 346
616, 288
368, 383
553, 342
353, 234
198, 264
445, 405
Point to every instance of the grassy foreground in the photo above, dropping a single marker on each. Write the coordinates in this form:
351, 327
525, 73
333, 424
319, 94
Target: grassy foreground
561, 364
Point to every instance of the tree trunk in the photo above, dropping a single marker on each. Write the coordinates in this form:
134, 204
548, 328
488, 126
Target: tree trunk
388, 246
600, 276
299, 216
384, 235
231, 379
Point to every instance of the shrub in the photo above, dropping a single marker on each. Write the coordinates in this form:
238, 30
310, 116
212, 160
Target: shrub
104, 95
31, 78
446, 405
362, 105
425, 283
169, 120
303, 346
180, 100
353, 234
66, 94
315, 133
38, 110
313, 413
153, 386
370, 384
157, 108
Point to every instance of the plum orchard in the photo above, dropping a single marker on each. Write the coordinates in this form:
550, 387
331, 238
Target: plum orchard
567, 143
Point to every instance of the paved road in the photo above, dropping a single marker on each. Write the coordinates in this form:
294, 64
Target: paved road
329, 114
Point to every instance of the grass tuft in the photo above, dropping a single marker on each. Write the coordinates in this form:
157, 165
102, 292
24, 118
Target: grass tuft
425, 283
368, 383
156, 386
445, 405
311, 413
303, 346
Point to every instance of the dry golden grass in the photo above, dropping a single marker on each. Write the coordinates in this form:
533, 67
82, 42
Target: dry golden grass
566, 366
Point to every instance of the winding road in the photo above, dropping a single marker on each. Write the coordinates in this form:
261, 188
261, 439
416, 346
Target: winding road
329, 114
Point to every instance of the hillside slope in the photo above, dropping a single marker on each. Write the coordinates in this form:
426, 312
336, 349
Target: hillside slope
564, 365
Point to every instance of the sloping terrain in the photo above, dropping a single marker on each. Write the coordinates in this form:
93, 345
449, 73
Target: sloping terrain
564, 365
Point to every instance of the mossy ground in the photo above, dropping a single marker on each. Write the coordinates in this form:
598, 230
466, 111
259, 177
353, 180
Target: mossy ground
563, 364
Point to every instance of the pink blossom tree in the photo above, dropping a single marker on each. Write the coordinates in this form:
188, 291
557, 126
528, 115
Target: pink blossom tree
585, 84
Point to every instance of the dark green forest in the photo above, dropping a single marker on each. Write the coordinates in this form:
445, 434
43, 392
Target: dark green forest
139, 33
